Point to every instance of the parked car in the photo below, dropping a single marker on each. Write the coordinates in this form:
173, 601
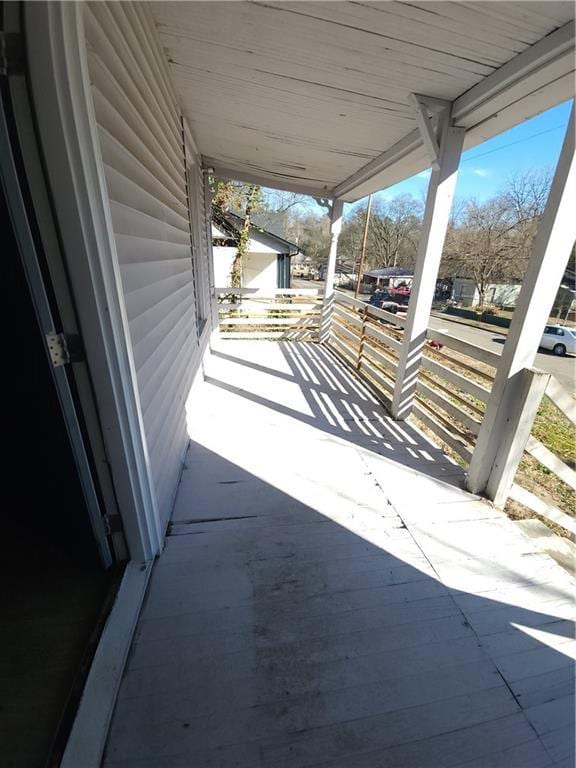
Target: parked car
383, 300
559, 339
401, 295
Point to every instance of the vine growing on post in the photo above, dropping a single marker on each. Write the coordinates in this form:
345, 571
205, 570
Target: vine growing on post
244, 199
252, 199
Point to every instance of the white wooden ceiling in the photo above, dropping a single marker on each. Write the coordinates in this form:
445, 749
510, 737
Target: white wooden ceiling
305, 94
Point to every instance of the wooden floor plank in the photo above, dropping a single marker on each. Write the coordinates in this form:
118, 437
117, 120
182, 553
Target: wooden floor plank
330, 596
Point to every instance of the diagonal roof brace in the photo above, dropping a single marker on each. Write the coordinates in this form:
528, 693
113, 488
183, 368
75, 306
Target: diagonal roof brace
425, 107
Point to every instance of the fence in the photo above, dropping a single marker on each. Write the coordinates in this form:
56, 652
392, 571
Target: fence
454, 382
453, 387
553, 464
269, 313
451, 391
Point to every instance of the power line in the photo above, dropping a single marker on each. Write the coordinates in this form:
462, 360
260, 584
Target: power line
512, 143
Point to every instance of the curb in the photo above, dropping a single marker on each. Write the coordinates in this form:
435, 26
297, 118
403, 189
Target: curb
470, 323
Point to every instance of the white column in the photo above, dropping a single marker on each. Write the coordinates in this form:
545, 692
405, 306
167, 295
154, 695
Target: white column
434, 226
335, 229
550, 254
528, 393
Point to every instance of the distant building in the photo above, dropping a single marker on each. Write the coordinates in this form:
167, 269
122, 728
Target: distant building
394, 279
267, 262
465, 292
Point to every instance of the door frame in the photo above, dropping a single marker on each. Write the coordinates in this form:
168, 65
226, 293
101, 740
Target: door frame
48, 324
65, 125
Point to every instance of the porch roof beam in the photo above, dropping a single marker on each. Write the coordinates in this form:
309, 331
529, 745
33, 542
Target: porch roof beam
265, 180
543, 53
426, 128
479, 104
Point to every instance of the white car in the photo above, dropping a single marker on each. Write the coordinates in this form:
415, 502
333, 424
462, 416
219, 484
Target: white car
559, 339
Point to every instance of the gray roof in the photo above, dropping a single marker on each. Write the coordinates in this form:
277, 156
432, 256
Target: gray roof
232, 224
390, 272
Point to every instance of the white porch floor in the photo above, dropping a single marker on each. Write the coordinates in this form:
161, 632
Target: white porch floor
328, 596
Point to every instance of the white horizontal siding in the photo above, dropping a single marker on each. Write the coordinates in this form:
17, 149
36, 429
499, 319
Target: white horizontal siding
140, 132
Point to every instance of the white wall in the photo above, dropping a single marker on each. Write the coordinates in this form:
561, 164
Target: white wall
142, 146
223, 258
464, 290
259, 270
504, 295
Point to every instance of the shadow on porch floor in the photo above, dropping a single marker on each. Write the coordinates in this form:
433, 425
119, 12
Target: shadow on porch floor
329, 596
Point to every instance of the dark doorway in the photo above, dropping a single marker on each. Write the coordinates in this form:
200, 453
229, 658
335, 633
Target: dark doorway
53, 589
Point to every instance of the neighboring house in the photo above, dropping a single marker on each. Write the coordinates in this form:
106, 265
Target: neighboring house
465, 292
302, 266
267, 262
344, 275
389, 277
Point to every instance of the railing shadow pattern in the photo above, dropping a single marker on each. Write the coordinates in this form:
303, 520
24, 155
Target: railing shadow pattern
297, 618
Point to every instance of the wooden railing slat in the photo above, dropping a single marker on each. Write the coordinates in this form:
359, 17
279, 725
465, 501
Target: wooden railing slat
545, 456
542, 508
449, 407
455, 378
420, 411
465, 347
268, 292
376, 333
561, 399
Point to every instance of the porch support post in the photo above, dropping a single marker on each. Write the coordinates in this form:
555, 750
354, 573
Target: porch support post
435, 224
550, 253
529, 391
335, 229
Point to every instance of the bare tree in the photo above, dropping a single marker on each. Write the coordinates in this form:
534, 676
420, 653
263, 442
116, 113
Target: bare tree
491, 240
526, 194
394, 232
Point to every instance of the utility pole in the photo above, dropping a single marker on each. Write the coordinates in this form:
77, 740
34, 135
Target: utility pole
363, 251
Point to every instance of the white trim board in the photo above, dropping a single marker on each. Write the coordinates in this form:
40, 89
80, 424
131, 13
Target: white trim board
67, 131
87, 741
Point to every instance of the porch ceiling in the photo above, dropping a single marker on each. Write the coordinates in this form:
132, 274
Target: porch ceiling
314, 96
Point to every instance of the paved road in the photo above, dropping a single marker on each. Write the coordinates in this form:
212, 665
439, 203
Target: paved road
563, 368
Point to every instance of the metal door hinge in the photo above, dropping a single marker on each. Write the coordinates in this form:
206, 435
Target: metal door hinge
58, 349
64, 348
11, 54
112, 524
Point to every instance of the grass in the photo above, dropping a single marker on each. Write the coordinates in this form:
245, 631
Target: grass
553, 429
556, 432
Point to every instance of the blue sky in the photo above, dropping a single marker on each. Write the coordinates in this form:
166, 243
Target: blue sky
483, 169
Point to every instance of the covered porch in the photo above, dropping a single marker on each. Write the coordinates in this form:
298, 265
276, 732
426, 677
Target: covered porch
330, 595
312, 581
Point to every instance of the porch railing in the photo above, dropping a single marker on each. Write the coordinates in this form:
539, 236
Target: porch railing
454, 381
451, 391
453, 387
555, 465
269, 313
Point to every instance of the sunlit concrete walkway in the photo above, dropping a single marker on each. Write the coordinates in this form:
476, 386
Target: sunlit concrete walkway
329, 596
